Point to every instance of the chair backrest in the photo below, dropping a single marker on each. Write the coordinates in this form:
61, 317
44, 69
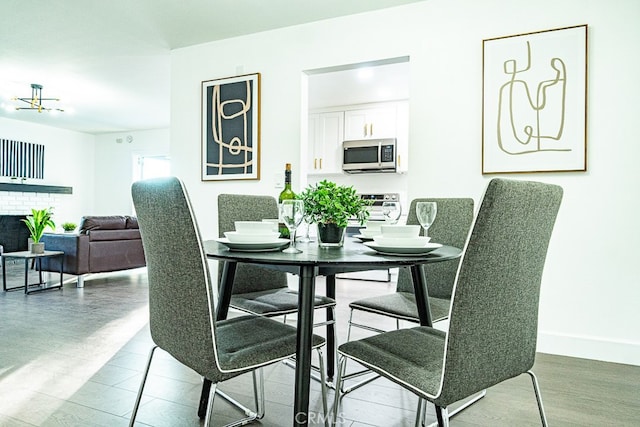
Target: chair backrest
494, 311
244, 207
181, 313
451, 227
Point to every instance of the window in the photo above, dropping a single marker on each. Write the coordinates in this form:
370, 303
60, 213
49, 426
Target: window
151, 167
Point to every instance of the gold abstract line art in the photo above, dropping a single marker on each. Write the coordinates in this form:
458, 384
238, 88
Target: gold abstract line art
526, 125
237, 145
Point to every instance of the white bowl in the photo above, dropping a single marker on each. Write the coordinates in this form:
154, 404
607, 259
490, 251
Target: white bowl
402, 242
236, 237
400, 230
274, 223
373, 225
366, 232
253, 227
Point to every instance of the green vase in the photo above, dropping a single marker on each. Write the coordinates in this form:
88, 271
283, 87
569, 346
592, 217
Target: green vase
330, 235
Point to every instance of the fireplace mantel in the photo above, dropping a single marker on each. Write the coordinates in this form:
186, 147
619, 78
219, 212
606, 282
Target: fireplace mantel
34, 188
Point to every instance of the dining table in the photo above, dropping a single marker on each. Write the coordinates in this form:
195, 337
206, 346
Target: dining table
312, 262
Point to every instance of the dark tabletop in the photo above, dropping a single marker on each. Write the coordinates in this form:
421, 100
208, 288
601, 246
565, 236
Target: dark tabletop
353, 256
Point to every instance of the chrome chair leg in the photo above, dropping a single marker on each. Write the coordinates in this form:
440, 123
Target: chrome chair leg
420, 412
468, 403
349, 328
342, 366
141, 388
536, 389
442, 415
323, 388
212, 394
258, 388
258, 392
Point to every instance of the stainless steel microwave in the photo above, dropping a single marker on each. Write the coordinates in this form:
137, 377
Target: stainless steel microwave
369, 155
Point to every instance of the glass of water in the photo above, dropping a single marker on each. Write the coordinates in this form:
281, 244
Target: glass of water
291, 213
391, 212
426, 213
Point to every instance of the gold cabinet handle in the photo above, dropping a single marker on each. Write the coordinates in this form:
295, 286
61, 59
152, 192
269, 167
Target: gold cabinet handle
365, 129
320, 163
371, 129
398, 160
315, 163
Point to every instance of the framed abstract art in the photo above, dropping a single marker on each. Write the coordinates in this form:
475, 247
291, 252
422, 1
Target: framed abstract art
231, 128
534, 102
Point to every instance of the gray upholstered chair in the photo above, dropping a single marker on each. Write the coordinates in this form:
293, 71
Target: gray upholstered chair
494, 312
259, 290
451, 227
182, 316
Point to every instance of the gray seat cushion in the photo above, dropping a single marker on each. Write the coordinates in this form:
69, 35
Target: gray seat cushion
417, 367
402, 305
274, 302
238, 348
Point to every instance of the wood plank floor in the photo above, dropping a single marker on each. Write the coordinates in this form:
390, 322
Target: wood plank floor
75, 358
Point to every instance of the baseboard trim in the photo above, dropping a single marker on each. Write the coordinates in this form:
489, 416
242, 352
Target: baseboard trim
596, 348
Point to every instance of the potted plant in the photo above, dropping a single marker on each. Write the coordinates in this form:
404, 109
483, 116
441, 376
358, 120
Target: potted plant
330, 206
37, 222
68, 227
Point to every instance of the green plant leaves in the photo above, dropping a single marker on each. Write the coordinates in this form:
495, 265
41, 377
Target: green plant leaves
327, 202
38, 221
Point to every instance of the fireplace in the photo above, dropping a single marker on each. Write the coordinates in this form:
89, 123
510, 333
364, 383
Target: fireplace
13, 233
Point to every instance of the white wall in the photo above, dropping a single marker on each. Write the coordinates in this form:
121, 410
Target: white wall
114, 166
97, 167
591, 287
69, 160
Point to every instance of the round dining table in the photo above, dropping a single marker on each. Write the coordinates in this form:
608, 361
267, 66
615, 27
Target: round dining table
315, 261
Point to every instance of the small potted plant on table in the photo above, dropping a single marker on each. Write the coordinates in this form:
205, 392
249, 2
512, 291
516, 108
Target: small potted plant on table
37, 222
330, 206
68, 227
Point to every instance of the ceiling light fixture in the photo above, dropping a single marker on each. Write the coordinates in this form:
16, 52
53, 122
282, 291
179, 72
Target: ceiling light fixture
36, 99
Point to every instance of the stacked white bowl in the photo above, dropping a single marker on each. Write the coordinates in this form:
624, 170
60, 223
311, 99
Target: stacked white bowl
372, 228
404, 236
253, 232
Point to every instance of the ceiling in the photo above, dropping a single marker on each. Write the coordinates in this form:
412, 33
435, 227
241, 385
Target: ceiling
109, 61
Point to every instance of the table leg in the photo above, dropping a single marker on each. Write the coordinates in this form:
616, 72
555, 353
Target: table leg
331, 342
4, 274
39, 270
224, 298
26, 275
422, 295
306, 293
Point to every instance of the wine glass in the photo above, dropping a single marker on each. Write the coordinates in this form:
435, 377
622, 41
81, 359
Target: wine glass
291, 213
306, 224
426, 213
391, 212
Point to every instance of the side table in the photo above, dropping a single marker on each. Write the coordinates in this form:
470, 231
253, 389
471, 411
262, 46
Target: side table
26, 256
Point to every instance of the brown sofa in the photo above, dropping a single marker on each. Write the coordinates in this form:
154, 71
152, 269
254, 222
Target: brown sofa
104, 244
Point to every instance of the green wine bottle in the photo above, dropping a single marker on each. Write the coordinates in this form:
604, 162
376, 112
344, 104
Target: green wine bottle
286, 194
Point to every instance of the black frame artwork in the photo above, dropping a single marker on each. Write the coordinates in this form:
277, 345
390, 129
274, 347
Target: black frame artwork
231, 128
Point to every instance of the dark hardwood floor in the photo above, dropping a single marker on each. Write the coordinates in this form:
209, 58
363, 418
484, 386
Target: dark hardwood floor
74, 358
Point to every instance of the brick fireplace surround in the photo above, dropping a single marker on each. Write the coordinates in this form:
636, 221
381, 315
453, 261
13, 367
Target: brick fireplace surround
17, 204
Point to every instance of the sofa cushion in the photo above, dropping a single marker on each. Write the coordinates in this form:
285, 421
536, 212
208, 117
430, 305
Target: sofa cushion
112, 222
103, 235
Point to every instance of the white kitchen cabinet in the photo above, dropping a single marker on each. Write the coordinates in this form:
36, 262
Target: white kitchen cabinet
329, 127
326, 133
375, 122
402, 137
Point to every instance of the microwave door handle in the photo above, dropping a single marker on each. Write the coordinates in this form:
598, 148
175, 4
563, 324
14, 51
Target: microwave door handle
379, 153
